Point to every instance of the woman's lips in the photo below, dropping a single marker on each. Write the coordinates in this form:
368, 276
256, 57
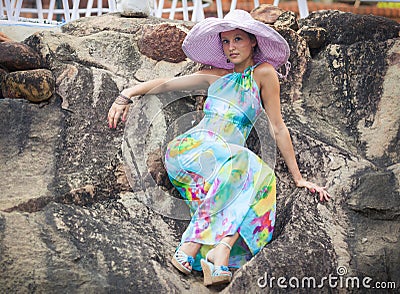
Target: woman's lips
233, 55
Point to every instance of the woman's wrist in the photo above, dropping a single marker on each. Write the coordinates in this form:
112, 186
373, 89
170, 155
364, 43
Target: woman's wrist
297, 180
125, 97
122, 99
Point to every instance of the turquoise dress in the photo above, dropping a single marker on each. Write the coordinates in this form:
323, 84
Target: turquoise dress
228, 187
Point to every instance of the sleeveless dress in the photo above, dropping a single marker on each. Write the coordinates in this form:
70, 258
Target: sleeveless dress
228, 187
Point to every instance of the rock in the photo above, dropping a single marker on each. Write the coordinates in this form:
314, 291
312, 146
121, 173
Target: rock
363, 27
34, 85
64, 190
163, 42
378, 258
135, 8
315, 37
287, 19
266, 13
112, 22
376, 196
29, 138
299, 57
156, 169
3, 73
17, 56
379, 136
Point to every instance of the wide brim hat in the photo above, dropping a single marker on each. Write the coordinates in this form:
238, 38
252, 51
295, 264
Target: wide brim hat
203, 43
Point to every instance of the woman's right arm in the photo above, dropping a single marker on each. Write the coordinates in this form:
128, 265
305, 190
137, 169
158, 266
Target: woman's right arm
199, 80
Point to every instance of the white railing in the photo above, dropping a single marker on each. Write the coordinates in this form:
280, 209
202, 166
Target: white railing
196, 9
11, 10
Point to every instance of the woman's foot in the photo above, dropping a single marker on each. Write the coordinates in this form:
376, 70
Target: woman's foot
183, 257
219, 255
214, 272
215, 265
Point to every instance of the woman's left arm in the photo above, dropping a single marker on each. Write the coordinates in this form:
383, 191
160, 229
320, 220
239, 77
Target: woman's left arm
270, 95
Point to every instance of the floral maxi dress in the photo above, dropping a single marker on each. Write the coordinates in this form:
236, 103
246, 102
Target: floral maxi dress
228, 187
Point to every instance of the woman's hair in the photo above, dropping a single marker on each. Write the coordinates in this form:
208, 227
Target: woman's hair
251, 36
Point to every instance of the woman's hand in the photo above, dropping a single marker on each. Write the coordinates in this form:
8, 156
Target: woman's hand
117, 111
323, 194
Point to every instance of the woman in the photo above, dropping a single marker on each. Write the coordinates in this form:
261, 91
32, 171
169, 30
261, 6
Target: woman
229, 189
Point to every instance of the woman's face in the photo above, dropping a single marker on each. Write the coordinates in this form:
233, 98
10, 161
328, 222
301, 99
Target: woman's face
238, 46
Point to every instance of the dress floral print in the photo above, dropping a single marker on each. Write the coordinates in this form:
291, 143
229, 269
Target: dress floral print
227, 187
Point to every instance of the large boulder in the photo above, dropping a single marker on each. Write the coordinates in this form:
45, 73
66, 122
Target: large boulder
34, 85
85, 208
18, 56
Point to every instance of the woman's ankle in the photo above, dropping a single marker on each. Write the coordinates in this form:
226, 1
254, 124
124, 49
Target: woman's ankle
190, 248
220, 255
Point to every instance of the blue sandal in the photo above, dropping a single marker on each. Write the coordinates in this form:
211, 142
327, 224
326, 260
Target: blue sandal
215, 275
180, 258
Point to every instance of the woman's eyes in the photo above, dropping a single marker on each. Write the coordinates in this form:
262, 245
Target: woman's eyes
237, 39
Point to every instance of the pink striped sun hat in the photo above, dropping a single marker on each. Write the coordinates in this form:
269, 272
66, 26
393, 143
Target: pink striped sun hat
203, 44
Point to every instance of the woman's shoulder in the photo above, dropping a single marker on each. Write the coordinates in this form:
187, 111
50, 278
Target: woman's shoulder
265, 72
264, 68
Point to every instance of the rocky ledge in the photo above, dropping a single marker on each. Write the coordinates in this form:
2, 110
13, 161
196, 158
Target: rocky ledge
72, 219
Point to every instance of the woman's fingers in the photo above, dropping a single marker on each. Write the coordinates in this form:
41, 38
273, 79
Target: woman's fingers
115, 113
324, 195
313, 188
125, 114
115, 120
110, 118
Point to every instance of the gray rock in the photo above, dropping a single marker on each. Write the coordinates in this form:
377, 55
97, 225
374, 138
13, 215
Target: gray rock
69, 221
346, 28
376, 196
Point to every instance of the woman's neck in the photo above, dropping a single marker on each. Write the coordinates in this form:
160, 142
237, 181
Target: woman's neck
242, 66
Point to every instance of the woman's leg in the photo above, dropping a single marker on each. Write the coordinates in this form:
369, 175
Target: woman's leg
220, 254
190, 248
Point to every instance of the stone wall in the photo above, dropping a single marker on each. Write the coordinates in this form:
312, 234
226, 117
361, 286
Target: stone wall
70, 221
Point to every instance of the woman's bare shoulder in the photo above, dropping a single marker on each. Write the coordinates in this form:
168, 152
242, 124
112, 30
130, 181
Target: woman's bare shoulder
265, 73
264, 69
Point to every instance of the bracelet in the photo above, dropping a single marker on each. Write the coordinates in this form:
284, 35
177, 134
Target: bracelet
122, 100
126, 98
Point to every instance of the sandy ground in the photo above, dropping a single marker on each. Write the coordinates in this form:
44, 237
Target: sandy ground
20, 31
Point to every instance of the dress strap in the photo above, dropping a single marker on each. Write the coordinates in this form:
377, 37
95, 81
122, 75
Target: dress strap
255, 65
